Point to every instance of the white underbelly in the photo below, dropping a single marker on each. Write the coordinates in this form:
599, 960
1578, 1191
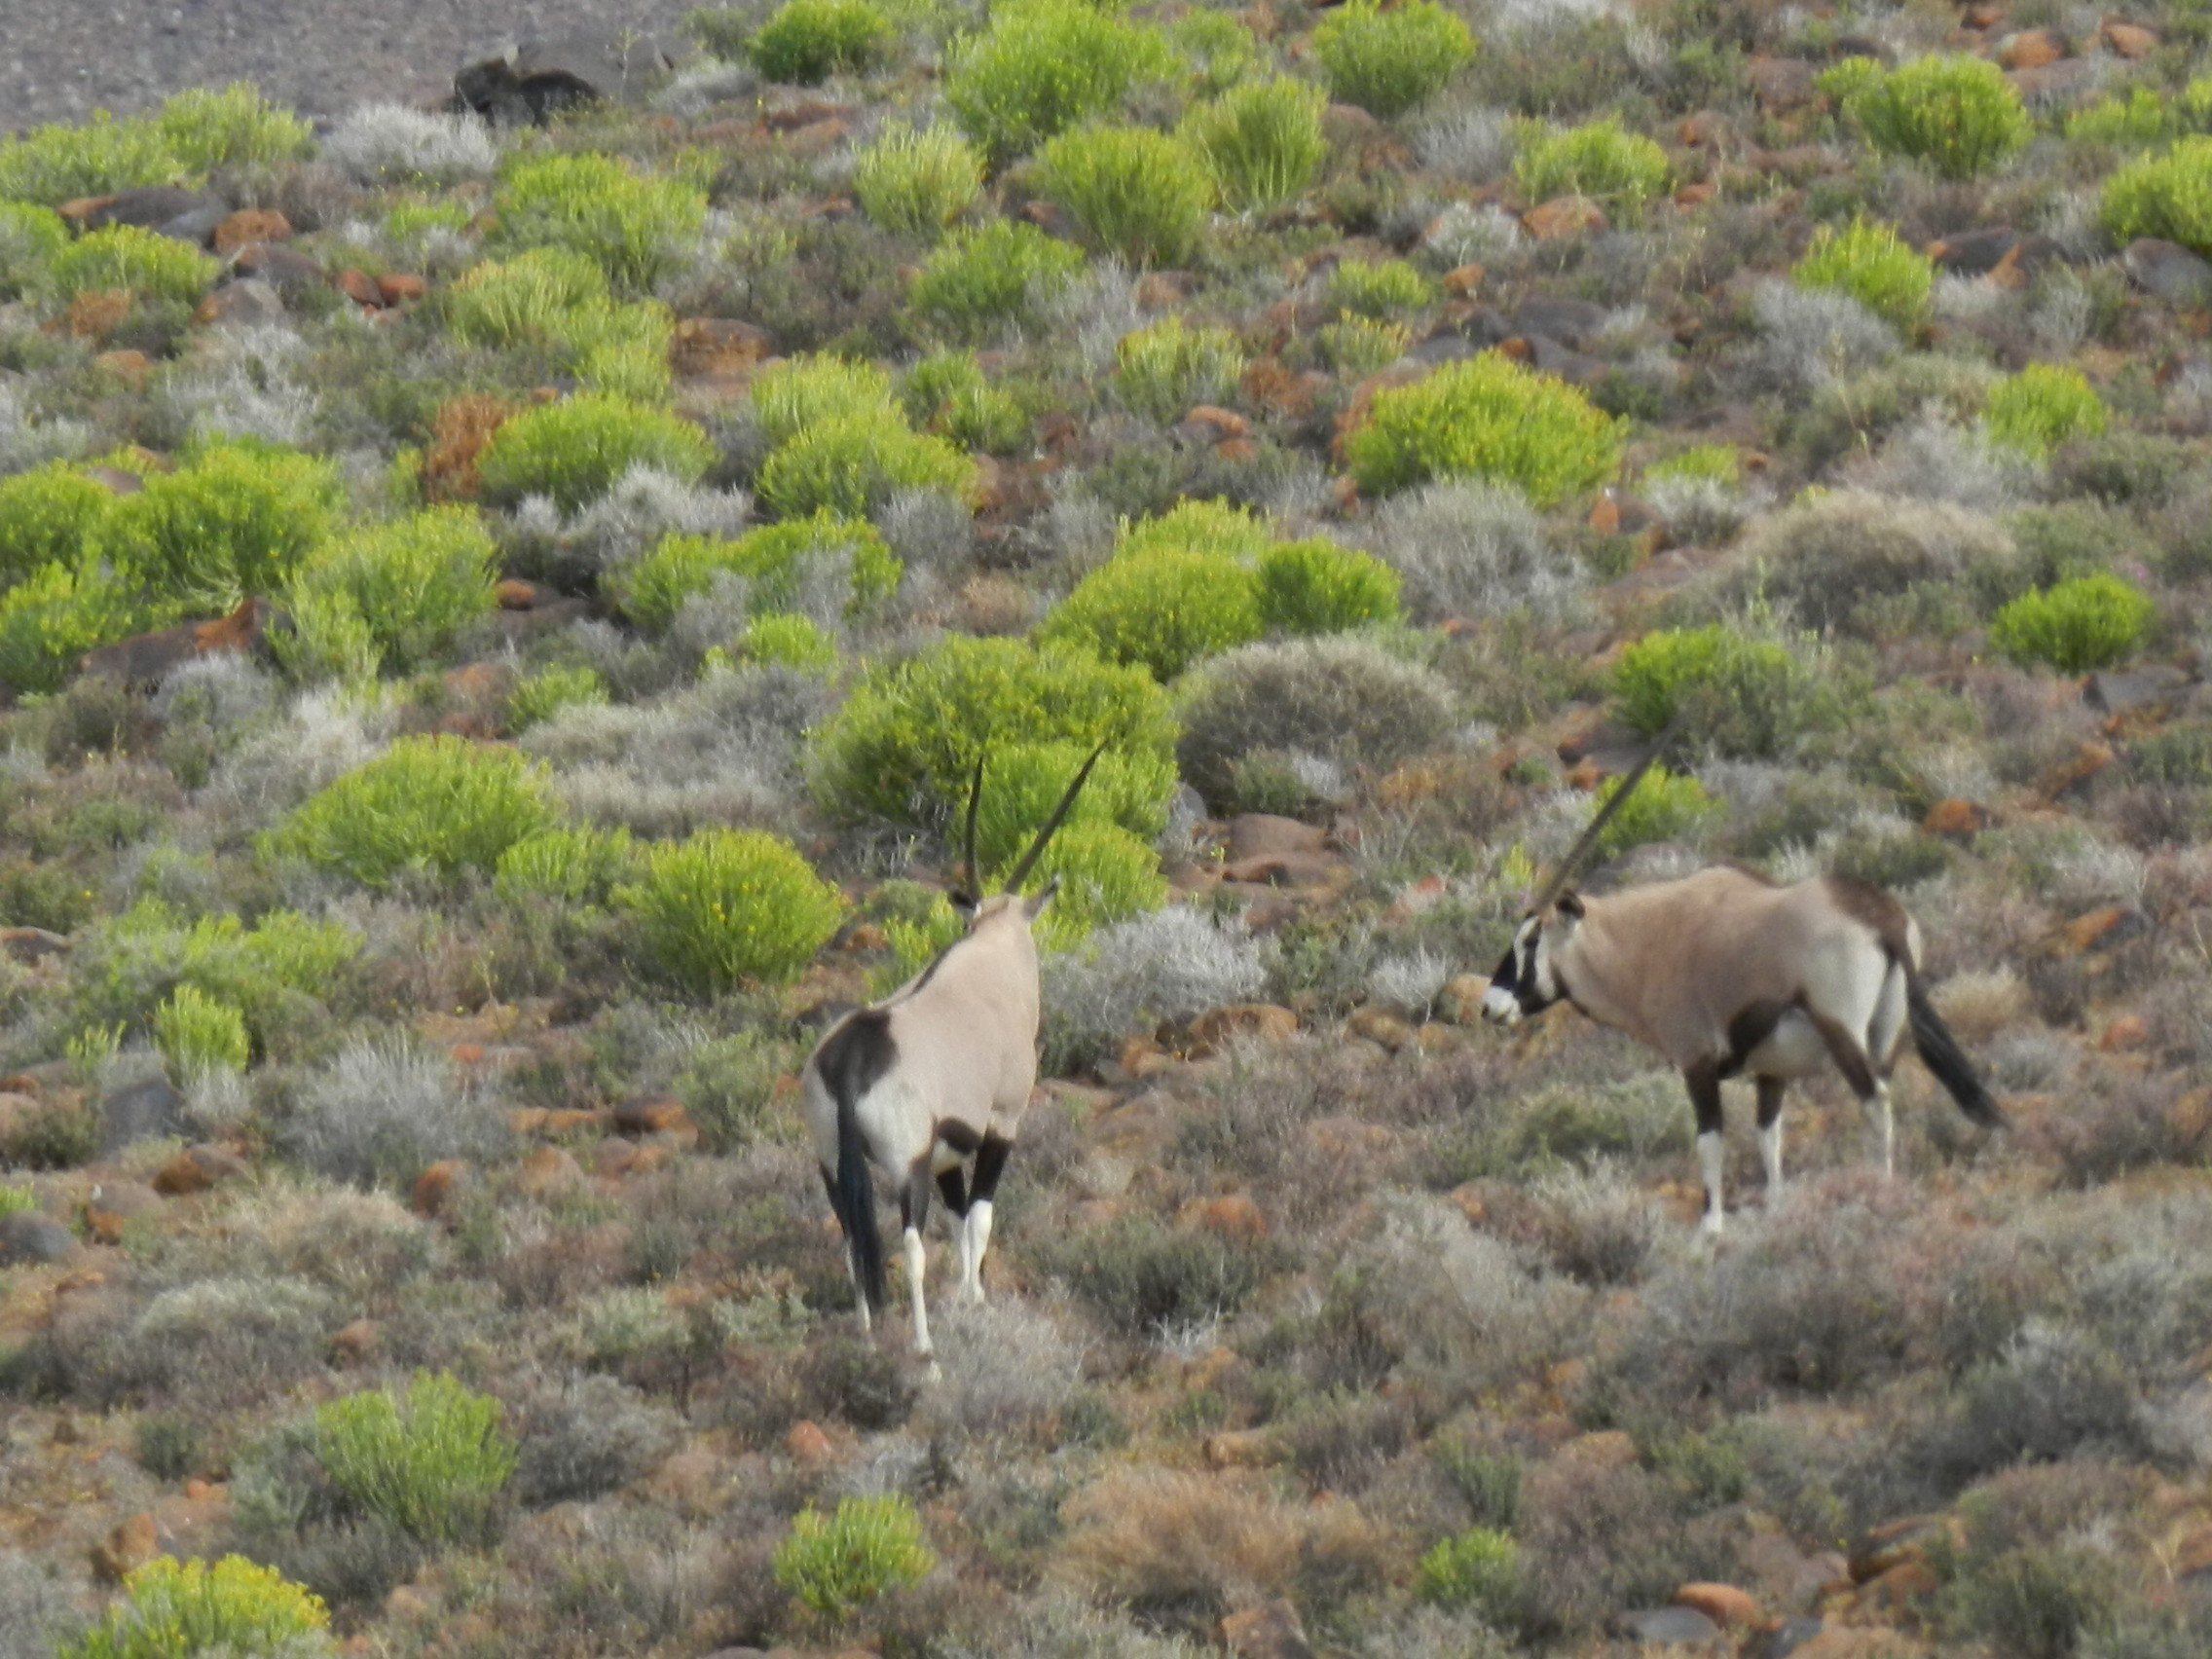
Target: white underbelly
1793, 1048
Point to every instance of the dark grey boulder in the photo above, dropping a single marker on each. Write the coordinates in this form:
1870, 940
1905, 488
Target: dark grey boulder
1668, 1626
140, 1111
536, 80
151, 207
1791, 1635
198, 224
2167, 270
28, 1239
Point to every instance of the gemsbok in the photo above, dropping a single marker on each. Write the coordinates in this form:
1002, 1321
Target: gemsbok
1728, 973
936, 1073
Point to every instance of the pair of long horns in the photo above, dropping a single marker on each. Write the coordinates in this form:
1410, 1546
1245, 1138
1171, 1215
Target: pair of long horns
1580, 851
972, 876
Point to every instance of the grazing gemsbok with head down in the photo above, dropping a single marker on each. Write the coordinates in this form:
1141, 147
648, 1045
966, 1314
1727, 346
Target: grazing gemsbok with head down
937, 1072
1728, 973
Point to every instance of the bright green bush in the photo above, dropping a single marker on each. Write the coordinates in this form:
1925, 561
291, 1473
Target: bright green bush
1664, 808
431, 1460
1388, 61
567, 865
799, 392
1623, 171
540, 695
2135, 118
236, 127
789, 640
198, 1035
807, 41
266, 973
1718, 464
2083, 623
31, 236
144, 262
1165, 369
2167, 196
529, 299
1138, 193
2037, 409
1739, 694
408, 588
52, 514
1357, 347
61, 163
904, 745
177, 1609
1196, 527
1958, 114
982, 280
1045, 66
578, 448
1479, 1569
1485, 416
771, 559
1217, 48
636, 225
1870, 263
1318, 587
852, 465
948, 393
441, 804
55, 616
838, 1564
917, 181
1106, 875
1260, 142
1162, 610
1381, 288
1022, 781
728, 906
234, 520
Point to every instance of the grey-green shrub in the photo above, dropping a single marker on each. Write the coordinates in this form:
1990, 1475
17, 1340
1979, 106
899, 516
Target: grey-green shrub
1389, 61
770, 559
1164, 368
431, 1459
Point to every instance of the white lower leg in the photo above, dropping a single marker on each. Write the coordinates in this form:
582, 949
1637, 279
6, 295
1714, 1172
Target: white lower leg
1709, 1158
978, 1237
963, 1229
1885, 1125
859, 1294
914, 1286
1770, 1155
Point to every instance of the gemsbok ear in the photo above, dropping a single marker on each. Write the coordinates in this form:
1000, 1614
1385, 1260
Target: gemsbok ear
1033, 905
1571, 905
964, 904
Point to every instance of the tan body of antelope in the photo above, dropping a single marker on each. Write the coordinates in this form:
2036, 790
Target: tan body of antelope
1728, 975
934, 1076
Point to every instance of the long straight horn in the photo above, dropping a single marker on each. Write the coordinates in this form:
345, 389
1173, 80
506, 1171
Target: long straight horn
1037, 847
1565, 872
971, 877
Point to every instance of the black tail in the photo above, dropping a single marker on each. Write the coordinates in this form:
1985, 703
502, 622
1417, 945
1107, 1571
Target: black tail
1939, 1051
854, 1200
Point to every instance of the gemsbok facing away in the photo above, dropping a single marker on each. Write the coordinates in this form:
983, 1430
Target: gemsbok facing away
1728, 973
936, 1073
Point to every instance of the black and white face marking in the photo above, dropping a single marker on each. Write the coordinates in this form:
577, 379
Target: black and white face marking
1523, 983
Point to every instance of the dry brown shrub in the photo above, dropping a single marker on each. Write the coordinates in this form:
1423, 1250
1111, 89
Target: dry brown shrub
1176, 1545
1979, 1003
458, 432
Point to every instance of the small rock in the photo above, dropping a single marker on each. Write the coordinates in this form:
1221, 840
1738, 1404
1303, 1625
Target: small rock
1571, 321
357, 1341
1781, 83
806, 1444
31, 944
1705, 130
2116, 691
515, 593
180, 1177
1958, 818
150, 207
1460, 1002
649, 1112
28, 1239
548, 1171
131, 1545
358, 286
435, 1189
614, 1155
1464, 281
2032, 49
144, 660
2130, 40
1722, 1604
247, 301
285, 268
1896, 1541
1562, 216
1668, 1626
252, 225
1209, 424
401, 287
112, 1205
1377, 1026
1270, 1632
539, 78
1789, 1637
131, 368
2128, 1031
1264, 1022
140, 1111
2167, 270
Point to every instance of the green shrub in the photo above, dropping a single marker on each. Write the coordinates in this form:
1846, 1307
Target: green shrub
2037, 409
1870, 264
1163, 369
413, 584
1742, 695
172, 1610
904, 744
1716, 463
1022, 781
1106, 875
128, 257
946, 393
1624, 171
431, 1460
236, 127
982, 280
789, 640
14, 1200
636, 227
807, 41
1318, 587
1958, 114
557, 300
2167, 196
1357, 347
917, 181
1138, 193
578, 448
1145, 1278
1488, 418
772, 559
58, 164
1382, 288
799, 392
1664, 808
852, 465
1163, 610
1218, 51
198, 1035
1260, 142
838, 1564
441, 804
269, 974
2035, 1602
540, 695
1479, 1569
1388, 61
1196, 527
729, 905
1045, 66
53, 616
2083, 623
29, 238
52, 514
2136, 119
565, 865
234, 520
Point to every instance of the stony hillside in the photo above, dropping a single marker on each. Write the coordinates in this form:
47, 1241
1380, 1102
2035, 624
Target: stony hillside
501, 616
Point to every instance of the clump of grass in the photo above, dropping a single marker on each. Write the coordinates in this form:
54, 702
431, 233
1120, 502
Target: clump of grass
575, 451
206, 128
1958, 114
851, 465
392, 597
984, 280
2080, 625
1260, 141
837, 1564
172, 1610
807, 41
1479, 1568
771, 559
1164, 609
1386, 61
917, 181
134, 260
1488, 417
1043, 68
540, 695
1165, 367
1138, 193
198, 1035
636, 225
431, 1459
2037, 409
1623, 171
235, 519
729, 906
1870, 264
565, 866
2169, 196
1382, 289
440, 804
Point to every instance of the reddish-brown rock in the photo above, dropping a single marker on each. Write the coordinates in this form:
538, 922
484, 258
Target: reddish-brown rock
1233, 1215
2130, 40
131, 1545
357, 1341
435, 1189
358, 286
1722, 1604
1955, 818
1263, 1021
401, 287
2032, 49
252, 225
805, 1443
1562, 216
2128, 1031
548, 1171
650, 1111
